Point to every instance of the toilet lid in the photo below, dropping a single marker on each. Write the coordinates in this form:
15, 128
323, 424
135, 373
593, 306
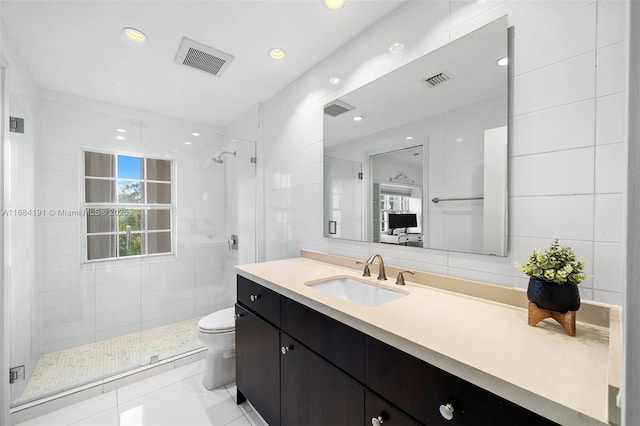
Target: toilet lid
218, 321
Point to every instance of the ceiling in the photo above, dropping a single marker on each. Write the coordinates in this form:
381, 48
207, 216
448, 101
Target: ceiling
77, 47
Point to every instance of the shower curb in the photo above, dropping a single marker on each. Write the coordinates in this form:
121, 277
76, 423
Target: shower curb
29, 410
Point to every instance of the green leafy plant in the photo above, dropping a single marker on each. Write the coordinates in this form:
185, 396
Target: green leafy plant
557, 264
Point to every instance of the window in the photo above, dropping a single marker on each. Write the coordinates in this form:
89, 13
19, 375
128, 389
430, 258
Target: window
129, 206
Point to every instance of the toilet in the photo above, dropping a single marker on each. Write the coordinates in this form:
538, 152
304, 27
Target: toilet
217, 333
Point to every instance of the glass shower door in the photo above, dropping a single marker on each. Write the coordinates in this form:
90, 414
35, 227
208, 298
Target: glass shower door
119, 240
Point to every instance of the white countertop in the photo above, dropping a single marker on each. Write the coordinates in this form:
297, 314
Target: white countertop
484, 342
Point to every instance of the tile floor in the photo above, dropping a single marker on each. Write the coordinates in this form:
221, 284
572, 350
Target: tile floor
173, 398
62, 370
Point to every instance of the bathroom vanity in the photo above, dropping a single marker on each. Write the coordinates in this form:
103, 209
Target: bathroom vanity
433, 356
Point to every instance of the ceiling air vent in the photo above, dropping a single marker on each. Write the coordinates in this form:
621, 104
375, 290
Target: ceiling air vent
336, 108
437, 79
202, 57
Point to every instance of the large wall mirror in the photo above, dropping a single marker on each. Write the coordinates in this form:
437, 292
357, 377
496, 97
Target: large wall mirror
419, 156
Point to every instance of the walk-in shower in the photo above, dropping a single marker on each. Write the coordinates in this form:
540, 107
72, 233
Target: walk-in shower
117, 227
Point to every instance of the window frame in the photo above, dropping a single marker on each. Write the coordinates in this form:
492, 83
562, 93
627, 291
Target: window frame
114, 208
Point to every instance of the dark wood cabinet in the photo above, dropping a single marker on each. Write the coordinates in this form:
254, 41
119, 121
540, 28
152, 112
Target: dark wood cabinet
258, 364
298, 366
314, 392
339, 344
420, 389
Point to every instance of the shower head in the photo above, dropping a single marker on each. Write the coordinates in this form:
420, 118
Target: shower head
218, 158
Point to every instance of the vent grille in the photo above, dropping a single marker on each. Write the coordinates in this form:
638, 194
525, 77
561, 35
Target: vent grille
201, 57
203, 61
336, 108
437, 79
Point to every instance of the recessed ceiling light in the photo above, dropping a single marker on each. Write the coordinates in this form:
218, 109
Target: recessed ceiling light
334, 80
396, 48
358, 118
134, 34
195, 134
503, 61
120, 138
187, 143
409, 138
277, 53
334, 4
121, 130
459, 140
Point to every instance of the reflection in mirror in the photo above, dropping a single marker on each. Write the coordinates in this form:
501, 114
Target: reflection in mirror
426, 163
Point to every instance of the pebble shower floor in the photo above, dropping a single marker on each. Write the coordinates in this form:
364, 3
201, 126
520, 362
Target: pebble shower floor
59, 371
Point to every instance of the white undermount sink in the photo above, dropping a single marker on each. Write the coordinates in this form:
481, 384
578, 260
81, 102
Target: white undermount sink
356, 291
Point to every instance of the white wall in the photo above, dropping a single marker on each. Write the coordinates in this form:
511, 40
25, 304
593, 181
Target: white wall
567, 143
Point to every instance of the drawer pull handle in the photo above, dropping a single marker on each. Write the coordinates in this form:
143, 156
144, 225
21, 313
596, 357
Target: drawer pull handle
254, 297
377, 421
236, 316
446, 411
285, 349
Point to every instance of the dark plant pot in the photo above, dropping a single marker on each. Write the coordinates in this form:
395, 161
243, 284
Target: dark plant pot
553, 297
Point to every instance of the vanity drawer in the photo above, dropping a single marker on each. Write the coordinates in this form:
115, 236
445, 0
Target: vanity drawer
259, 299
376, 408
338, 343
420, 389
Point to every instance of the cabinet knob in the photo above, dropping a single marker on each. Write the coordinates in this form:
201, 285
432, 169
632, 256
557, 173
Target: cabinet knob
254, 297
236, 316
285, 349
377, 421
446, 411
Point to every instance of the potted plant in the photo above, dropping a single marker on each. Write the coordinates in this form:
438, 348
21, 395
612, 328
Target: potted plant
555, 275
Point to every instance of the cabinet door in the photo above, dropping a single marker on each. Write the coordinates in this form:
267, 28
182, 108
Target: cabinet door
258, 364
314, 392
377, 411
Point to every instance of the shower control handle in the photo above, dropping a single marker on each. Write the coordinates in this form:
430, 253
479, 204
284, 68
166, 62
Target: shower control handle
254, 297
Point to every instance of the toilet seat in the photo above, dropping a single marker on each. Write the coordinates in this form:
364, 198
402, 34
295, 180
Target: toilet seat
221, 321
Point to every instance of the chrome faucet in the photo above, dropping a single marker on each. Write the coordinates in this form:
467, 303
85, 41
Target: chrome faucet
400, 277
381, 273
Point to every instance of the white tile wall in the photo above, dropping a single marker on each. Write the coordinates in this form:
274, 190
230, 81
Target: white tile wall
567, 97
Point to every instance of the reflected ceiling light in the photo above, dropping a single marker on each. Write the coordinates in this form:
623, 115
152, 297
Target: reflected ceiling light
358, 118
195, 134
409, 138
459, 140
503, 61
334, 4
334, 80
277, 53
120, 137
134, 34
396, 48
121, 130
187, 143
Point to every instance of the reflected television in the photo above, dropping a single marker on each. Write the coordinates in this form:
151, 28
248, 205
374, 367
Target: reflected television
403, 220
